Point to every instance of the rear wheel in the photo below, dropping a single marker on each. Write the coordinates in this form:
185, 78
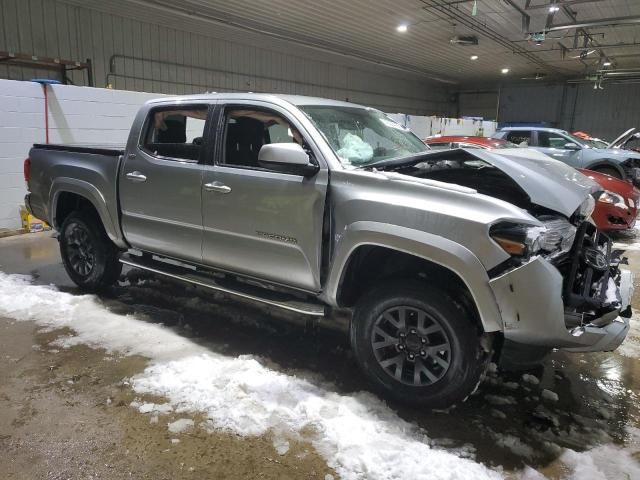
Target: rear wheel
89, 256
612, 172
418, 345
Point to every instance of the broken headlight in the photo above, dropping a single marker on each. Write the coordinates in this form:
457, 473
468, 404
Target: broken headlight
554, 237
586, 209
517, 239
612, 198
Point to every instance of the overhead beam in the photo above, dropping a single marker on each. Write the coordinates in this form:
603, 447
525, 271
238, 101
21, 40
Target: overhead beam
526, 19
595, 23
528, 6
448, 13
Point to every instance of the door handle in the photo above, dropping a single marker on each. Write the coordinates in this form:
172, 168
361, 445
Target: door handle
217, 187
136, 177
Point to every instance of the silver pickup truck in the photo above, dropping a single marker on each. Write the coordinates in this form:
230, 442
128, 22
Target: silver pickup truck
441, 260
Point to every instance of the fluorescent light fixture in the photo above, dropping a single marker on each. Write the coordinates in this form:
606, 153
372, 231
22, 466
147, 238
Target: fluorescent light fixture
473, 57
607, 63
504, 71
403, 27
553, 9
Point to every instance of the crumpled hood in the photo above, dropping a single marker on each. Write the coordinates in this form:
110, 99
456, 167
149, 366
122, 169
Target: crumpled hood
548, 182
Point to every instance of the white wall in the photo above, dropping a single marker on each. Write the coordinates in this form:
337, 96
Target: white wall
77, 115
425, 127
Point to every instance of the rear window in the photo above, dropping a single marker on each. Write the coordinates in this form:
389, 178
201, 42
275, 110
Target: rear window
176, 133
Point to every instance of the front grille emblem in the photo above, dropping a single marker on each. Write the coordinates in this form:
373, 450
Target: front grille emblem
595, 258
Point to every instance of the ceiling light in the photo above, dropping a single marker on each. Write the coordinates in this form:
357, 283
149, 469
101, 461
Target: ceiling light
505, 71
403, 27
607, 63
473, 57
553, 9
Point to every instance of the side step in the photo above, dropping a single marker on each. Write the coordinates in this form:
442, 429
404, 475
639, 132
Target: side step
238, 289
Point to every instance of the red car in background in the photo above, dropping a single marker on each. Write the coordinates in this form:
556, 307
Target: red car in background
616, 208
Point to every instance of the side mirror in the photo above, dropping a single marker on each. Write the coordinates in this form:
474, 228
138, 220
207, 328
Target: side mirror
286, 158
571, 146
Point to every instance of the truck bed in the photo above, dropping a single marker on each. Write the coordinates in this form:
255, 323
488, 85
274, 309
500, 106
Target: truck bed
87, 171
95, 149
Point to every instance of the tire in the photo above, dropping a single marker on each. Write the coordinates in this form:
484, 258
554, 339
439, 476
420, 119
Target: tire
612, 172
89, 256
459, 366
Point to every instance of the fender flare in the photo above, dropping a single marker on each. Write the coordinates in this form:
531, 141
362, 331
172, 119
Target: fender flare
436, 249
89, 192
604, 162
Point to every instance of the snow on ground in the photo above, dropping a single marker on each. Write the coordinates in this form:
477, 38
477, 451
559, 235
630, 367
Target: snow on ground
358, 435
180, 425
606, 462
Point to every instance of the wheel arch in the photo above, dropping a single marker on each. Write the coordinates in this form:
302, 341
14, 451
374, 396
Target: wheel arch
406, 250
605, 163
67, 193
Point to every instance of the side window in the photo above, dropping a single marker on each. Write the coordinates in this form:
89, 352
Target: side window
247, 130
520, 137
175, 133
552, 140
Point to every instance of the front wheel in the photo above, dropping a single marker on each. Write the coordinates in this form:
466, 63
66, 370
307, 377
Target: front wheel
89, 256
418, 345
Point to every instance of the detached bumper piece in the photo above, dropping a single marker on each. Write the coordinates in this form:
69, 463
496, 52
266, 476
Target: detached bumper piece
576, 303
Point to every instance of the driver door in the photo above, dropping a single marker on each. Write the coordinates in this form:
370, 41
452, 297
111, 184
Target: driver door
258, 222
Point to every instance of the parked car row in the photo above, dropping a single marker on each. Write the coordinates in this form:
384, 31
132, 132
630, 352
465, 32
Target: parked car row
575, 151
617, 205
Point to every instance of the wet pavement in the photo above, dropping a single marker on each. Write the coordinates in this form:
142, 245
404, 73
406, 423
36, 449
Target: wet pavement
576, 401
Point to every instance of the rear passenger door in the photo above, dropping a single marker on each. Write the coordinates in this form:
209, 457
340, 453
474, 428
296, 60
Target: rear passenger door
260, 222
161, 182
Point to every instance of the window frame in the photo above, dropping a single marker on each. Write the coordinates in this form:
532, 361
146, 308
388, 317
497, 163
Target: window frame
221, 134
206, 136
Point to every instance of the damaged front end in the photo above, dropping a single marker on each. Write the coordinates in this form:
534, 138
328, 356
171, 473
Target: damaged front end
596, 290
578, 300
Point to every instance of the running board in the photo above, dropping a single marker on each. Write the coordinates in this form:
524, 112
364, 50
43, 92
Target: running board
247, 292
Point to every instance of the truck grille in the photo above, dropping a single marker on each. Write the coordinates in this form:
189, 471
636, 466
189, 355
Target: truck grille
588, 269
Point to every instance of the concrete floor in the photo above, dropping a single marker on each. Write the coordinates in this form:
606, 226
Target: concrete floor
41, 411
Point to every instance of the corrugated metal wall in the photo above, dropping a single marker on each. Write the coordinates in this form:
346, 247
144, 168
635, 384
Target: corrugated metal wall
145, 56
603, 113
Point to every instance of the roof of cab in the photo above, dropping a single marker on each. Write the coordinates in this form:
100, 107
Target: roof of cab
298, 100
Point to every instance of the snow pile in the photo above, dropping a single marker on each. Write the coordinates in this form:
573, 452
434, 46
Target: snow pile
549, 395
606, 462
359, 436
180, 425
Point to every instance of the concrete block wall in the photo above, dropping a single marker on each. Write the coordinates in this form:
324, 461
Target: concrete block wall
77, 116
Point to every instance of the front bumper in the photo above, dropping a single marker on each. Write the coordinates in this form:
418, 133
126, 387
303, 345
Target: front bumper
614, 217
539, 309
